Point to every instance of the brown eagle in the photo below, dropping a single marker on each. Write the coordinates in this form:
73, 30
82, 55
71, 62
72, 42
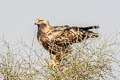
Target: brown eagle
57, 39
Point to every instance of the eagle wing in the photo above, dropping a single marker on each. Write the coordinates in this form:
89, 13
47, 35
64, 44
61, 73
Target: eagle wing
66, 35
57, 31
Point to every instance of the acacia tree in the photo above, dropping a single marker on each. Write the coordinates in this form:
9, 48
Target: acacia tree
90, 60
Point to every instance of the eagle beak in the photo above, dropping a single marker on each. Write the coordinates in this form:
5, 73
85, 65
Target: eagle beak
35, 23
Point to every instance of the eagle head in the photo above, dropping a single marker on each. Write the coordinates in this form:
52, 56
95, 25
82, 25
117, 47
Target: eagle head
41, 22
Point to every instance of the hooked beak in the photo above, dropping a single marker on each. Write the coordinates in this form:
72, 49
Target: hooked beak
35, 23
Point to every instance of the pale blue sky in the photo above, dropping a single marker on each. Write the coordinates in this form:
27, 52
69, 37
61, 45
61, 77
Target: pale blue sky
17, 17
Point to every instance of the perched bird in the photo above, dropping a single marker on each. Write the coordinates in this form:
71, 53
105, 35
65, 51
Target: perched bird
57, 39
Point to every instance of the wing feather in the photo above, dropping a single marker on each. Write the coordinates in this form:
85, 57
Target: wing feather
68, 35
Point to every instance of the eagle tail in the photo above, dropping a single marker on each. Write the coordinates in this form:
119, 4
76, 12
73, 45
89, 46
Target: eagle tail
89, 34
84, 34
90, 27
93, 35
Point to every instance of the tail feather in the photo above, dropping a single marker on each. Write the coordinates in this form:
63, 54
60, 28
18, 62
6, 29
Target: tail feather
87, 34
93, 35
90, 27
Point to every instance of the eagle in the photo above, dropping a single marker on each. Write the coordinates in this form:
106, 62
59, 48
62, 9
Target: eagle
58, 39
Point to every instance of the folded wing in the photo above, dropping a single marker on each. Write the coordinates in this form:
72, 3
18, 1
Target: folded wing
69, 35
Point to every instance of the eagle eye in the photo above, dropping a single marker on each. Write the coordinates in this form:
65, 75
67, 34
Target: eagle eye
43, 25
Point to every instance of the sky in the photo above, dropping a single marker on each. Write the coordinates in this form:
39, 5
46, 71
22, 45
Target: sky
17, 17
